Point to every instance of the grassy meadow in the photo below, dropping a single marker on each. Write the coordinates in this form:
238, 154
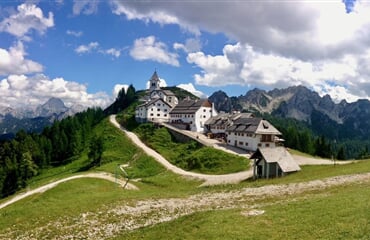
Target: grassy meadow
334, 213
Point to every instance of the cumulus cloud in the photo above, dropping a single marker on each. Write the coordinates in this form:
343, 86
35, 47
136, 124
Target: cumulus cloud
86, 48
242, 65
322, 44
74, 33
28, 17
13, 61
86, 7
150, 49
190, 88
20, 90
112, 51
148, 12
117, 88
191, 45
162, 83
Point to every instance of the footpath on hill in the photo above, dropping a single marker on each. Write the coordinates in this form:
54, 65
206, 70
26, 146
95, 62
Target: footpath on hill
116, 219
102, 175
207, 178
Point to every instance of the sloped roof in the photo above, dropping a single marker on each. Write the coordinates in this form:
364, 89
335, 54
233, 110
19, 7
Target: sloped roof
189, 106
223, 118
154, 101
154, 77
253, 125
279, 155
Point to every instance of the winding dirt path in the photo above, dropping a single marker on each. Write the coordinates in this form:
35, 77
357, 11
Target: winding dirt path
209, 179
105, 176
115, 219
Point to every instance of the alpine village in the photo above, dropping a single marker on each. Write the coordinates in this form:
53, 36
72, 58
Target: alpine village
162, 163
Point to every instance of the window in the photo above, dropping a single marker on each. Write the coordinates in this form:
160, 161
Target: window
151, 114
151, 109
259, 145
204, 110
158, 115
165, 109
267, 145
165, 115
246, 144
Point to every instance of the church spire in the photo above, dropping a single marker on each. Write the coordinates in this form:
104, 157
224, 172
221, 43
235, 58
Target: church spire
154, 81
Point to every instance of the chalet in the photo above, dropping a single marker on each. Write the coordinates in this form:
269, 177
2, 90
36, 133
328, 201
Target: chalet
156, 104
273, 162
156, 110
216, 126
192, 114
252, 133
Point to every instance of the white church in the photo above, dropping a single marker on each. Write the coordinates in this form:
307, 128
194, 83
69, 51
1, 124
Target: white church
161, 105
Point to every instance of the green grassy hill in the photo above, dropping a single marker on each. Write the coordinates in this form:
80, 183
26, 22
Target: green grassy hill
98, 209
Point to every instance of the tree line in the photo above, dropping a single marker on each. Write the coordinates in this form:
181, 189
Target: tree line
28, 154
298, 135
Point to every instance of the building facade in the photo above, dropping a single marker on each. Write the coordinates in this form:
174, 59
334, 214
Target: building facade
156, 104
192, 114
252, 133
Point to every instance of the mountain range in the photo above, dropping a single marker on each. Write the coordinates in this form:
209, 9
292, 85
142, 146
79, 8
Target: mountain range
341, 120
34, 119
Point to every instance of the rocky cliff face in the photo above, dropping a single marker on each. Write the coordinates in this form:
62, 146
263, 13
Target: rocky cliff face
303, 104
34, 119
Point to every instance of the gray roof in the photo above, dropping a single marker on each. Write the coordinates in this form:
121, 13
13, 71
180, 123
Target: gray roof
253, 125
279, 155
226, 118
189, 106
154, 101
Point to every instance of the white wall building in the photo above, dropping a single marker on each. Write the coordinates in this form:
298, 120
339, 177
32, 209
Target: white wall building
192, 114
252, 133
157, 104
156, 110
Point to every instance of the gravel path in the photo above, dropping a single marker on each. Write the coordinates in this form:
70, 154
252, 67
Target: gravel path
46, 187
209, 179
116, 219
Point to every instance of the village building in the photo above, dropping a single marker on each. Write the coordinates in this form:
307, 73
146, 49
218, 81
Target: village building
216, 126
191, 114
252, 133
273, 162
157, 103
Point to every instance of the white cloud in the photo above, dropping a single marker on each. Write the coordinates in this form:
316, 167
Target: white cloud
191, 45
86, 48
74, 33
18, 90
162, 83
315, 43
28, 17
113, 52
242, 65
86, 7
190, 88
149, 49
147, 13
117, 88
13, 61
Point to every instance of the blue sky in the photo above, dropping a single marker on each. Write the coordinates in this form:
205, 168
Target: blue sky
84, 51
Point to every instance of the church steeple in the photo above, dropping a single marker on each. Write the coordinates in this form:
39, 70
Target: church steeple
154, 82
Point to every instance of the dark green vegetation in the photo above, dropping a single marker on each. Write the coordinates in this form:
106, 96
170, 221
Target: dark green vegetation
29, 154
190, 155
319, 140
339, 213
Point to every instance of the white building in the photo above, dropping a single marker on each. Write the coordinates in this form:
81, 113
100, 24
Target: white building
252, 133
157, 103
156, 110
192, 114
